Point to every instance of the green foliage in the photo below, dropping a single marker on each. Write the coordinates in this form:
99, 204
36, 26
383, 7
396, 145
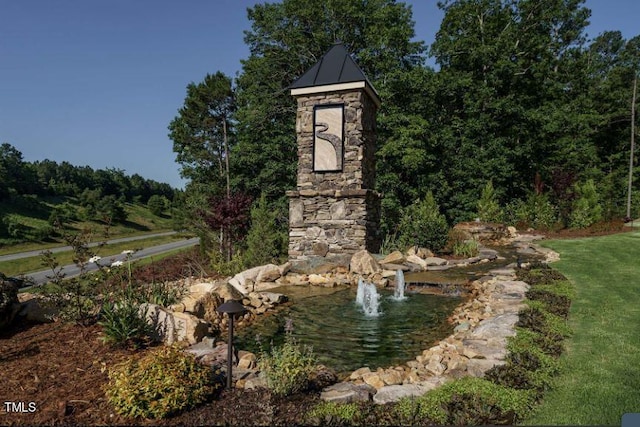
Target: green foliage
333, 414
536, 212
201, 131
537, 318
423, 225
528, 366
467, 401
266, 240
378, 33
459, 243
124, 323
157, 204
74, 298
586, 207
287, 367
162, 293
220, 264
488, 208
162, 383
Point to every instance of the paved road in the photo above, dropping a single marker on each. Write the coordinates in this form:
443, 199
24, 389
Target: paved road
72, 270
29, 254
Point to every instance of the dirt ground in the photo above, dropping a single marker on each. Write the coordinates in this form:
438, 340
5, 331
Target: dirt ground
52, 374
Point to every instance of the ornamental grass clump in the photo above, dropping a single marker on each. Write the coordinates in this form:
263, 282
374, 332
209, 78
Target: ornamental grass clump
162, 383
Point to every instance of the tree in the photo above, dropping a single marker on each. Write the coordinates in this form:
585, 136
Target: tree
157, 204
229, 215
285, 40
12, 170
509, 105
202, 131
266, 240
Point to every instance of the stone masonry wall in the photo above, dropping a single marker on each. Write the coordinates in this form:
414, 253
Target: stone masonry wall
359, 142
333, 213
332, 222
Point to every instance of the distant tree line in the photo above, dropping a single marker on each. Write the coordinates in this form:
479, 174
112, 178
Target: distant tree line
49, 178
80, 193
525, 120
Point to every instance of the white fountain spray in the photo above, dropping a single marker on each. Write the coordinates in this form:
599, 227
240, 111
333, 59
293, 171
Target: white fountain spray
367, 296
398, 292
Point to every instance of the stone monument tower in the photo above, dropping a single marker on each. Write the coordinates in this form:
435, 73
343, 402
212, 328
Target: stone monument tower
334, 209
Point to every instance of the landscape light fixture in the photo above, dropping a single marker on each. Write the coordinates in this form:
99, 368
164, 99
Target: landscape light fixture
232, 308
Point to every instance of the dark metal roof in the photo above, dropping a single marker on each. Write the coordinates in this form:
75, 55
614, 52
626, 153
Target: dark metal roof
336, 66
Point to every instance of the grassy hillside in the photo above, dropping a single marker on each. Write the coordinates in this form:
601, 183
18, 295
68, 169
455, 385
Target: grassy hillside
27, 227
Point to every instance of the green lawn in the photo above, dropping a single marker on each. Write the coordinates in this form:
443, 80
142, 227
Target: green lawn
600, 380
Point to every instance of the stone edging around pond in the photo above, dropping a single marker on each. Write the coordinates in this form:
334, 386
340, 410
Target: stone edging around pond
483, 324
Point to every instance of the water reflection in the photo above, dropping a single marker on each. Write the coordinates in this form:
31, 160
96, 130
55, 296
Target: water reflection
345, 339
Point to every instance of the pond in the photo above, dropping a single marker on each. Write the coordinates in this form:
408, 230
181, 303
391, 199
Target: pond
344, 338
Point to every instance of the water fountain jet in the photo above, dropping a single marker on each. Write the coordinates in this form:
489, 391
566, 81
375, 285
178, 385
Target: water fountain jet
398, 292
368, 298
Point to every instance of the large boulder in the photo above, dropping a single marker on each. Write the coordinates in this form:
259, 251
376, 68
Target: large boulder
170, 327
320, 265
9, 304
269, 273
33, 310
346, 392
362, 262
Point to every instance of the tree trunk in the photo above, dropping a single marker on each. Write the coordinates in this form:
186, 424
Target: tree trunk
633, 131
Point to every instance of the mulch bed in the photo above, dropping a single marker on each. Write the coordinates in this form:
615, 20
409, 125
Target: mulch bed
59, 367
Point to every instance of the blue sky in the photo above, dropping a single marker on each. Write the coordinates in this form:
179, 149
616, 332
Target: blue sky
97, 82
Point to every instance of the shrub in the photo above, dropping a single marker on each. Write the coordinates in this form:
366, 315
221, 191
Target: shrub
468, 401
586, 209
536, 212
528, 366
488, 208
162, 293
538, 319
423, 225
287, 368
124, 323
266, 240
333, 414
159, 384
539, 274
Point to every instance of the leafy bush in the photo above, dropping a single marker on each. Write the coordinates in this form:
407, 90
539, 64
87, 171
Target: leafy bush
536, 212
423, 225
159, 384
554, 303
586, 209
266, 240
539, 274
488, 208
467, 401
124, 323
333, 414
538, 319
528, 366
287, 368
